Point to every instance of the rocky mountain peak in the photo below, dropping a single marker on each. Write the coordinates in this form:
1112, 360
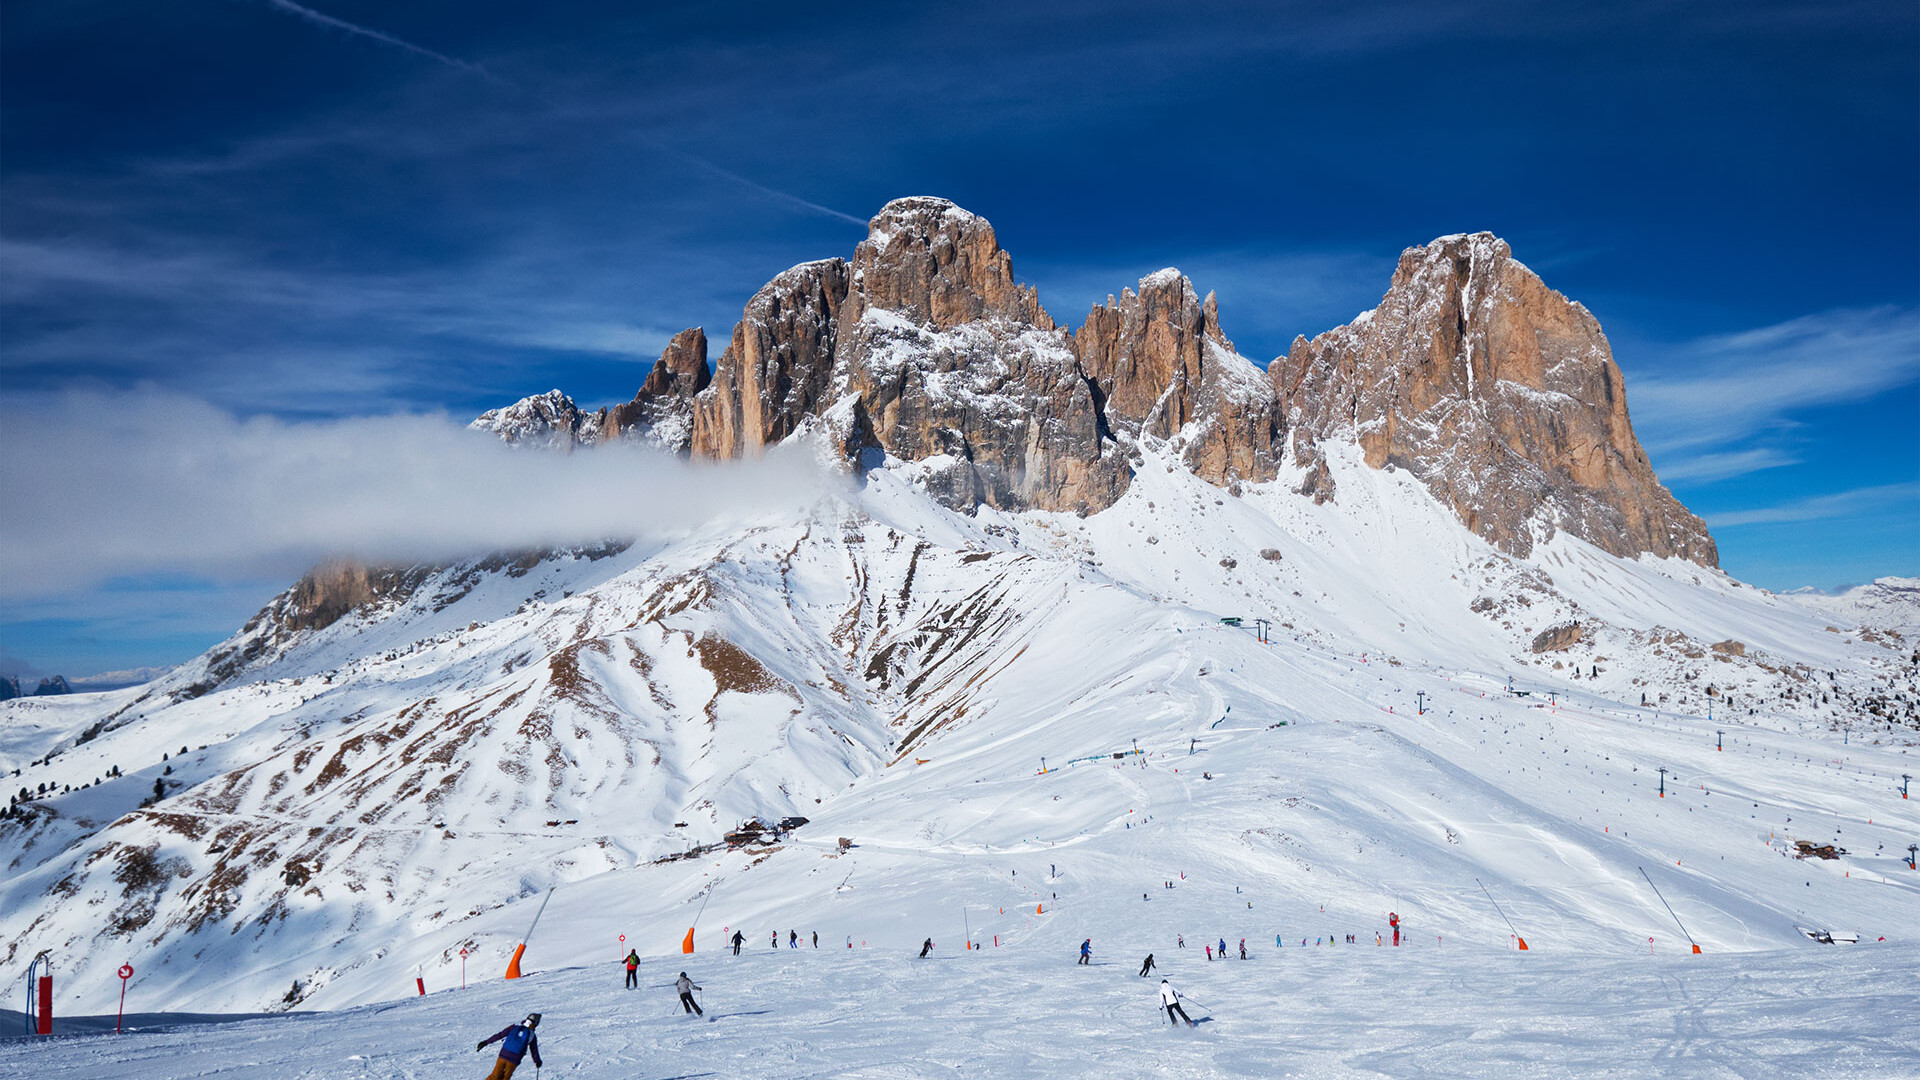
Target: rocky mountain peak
1164, 369
1499, 394
931, 262
549, 421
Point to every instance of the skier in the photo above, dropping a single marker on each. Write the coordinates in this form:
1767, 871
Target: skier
775, 943
516, 1041
1146, 967
1170, 998
1209, 949
1086, 951
1223, 948
793, 939
738, 940
816, 939
633, 970
1243, 948
1179, 941
926, 948
686, 988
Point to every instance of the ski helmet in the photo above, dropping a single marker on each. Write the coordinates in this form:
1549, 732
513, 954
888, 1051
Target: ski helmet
533, 1020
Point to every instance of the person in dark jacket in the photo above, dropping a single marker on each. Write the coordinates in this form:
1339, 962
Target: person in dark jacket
1146, 967
633, 969
738, 938
516, 1041
686, 988
926, 948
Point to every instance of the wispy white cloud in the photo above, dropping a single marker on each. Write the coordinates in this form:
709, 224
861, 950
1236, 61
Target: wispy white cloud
148, 483
1706, 468
1900, 500
1731, 387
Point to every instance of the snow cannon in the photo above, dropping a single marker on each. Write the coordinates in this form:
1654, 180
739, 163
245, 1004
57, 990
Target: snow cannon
40, 987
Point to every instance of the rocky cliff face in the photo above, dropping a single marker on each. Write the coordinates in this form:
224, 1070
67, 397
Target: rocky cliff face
1500, 394
660, 414
1165, 369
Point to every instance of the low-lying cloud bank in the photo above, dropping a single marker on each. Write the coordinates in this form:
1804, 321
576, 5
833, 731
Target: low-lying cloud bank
98, 487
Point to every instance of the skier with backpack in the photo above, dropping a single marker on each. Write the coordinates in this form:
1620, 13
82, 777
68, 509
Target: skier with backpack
1170, 998
516, 1041
686, 988
633, 969
1086, 951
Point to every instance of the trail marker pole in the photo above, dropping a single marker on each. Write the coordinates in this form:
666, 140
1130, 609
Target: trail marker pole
126, 972
463, 967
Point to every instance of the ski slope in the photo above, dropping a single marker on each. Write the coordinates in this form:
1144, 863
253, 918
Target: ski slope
1329, 1013
366, 801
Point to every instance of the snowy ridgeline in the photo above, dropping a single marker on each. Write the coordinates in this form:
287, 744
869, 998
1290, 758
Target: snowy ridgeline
359, 803
1329, 1013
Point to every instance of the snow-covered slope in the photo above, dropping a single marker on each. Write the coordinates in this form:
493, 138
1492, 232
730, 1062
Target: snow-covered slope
349, 803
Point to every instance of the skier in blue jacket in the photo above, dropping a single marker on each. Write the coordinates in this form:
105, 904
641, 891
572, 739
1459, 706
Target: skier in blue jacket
516, 1041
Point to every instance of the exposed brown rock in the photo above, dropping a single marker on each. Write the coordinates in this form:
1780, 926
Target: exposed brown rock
1500, 394
661, 412
1556, 638
1162, 363
779, 367
1730, 647
943, 355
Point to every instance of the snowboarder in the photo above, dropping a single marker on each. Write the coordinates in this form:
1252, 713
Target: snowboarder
1170, 998
1086, 951
686, 988
1243, 948
1146, 967
516, 1041
926, 948
738, 940
633, 970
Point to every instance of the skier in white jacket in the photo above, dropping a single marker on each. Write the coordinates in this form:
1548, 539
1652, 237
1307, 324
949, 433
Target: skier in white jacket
1171, 999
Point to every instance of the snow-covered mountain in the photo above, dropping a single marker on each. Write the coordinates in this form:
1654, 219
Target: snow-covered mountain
952, 659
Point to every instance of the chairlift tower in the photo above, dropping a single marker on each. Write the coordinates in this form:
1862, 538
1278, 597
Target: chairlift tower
1719, 740
1420, 702
1663, 781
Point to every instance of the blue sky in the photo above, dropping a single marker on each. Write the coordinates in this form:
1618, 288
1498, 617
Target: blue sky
318, 212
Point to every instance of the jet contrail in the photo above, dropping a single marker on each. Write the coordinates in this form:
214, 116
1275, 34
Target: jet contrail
388, 39
324, 19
